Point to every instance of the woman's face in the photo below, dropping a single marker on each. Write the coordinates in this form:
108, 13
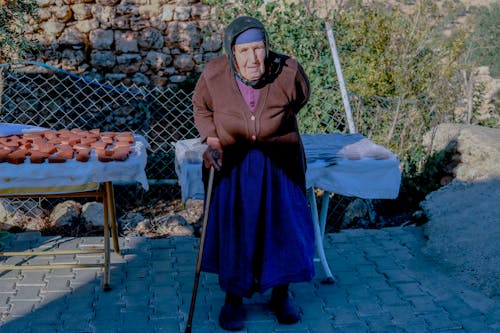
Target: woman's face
250, 59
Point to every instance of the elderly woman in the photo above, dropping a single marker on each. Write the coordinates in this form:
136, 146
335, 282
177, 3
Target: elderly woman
260, 232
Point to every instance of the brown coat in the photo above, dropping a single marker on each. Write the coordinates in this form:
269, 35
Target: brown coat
220, 111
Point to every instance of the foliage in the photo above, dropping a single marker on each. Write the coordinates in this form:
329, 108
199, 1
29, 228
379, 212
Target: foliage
402, 71
486, 39
14, 16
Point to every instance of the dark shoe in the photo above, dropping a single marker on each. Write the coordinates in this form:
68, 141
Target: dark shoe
231, 317
285, 311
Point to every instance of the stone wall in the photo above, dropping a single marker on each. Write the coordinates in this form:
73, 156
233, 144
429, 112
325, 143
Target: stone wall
143, 41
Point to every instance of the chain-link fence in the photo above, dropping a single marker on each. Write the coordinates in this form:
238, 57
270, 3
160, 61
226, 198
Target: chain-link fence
37, 94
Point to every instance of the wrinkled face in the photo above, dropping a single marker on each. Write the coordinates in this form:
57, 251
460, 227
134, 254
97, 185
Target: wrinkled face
250, 59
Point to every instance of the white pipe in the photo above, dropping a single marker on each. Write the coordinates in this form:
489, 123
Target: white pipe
338, 69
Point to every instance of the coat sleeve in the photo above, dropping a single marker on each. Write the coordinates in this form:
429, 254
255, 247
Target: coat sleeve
303, 88
203, 110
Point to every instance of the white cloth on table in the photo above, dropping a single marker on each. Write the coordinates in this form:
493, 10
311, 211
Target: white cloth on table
351, 165
346, 164
7, 129
72, 172
188, 160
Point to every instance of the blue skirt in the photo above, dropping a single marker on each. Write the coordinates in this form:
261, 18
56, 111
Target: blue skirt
260, 231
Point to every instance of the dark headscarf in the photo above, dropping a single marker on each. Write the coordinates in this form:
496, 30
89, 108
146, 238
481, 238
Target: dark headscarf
233, 30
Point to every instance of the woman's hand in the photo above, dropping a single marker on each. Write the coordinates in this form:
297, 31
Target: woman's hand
213, 154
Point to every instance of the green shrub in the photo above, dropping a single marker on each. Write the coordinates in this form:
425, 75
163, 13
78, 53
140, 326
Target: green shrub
14, 16
486, 39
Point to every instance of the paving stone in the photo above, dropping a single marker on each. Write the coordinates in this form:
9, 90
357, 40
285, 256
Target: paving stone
368, 271
32, 279
475, 324
254, 313
58, 284
7, 286
261, 327
439, 320
27, 293
409, 289
61, 273
379, 283
351, 328
401, 313
106, 326
49, 297
312, 309
373, 251
384, 286
20, 307
368, 307
477, 300
381, 323
385, 263
321, 325
423, 304
345, 316
359, 293
15, 325
399, 275
390, 297
348, 278
165, 326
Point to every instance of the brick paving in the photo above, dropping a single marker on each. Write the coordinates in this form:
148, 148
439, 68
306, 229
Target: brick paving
384, 284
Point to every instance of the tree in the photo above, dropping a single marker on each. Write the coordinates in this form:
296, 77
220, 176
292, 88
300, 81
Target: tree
14, 15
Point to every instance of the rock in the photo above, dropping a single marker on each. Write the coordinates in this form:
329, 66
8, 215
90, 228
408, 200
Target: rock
173, 225
10, 215
150, 39
157, 60
143, 228
478, 147
102, 59
129, 63
126, 41
65, 214
463, 225
93, 213
359, 213
131, 220
35, 224
101, 39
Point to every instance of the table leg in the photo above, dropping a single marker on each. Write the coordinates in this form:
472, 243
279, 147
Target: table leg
110, 197
325, 200
105, 204
318, 237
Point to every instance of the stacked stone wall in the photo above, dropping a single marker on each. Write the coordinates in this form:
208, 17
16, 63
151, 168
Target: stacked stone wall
157, 42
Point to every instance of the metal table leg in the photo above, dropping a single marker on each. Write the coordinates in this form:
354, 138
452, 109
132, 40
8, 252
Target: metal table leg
110, 198
318, 234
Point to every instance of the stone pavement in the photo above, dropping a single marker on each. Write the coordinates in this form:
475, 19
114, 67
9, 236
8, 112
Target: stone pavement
383, 284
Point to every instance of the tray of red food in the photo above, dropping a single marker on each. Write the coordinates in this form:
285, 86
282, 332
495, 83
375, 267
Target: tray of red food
63, 145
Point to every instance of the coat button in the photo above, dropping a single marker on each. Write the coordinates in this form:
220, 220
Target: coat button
254, 137
252, 117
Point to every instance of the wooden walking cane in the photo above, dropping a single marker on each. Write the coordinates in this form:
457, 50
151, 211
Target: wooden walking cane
200, 249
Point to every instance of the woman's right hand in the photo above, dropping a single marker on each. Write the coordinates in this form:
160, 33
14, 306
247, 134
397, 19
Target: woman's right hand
212, 157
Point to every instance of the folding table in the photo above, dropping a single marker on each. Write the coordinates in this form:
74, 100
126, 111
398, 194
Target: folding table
345, 164
92, 179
